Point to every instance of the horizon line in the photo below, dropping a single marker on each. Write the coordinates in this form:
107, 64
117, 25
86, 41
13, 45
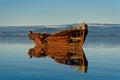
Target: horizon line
55, 24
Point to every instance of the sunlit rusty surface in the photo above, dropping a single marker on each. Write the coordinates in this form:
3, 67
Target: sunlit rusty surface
63, 37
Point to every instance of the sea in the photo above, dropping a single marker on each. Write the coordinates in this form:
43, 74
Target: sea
101, 49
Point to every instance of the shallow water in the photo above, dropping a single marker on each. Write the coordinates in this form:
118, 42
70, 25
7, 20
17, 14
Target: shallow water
103, 62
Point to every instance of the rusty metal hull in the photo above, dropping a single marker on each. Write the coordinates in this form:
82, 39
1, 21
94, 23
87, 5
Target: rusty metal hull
67, 38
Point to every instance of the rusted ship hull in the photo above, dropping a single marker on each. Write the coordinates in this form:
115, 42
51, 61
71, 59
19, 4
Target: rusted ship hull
72, 36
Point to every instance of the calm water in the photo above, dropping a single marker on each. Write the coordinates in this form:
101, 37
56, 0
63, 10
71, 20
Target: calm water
103, 55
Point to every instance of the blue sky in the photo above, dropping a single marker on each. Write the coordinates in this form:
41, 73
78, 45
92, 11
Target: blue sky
52, 12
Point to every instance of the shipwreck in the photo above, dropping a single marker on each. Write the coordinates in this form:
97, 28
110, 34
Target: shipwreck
69, 37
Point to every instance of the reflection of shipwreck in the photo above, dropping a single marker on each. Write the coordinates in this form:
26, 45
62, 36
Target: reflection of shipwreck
63, 37
72, 55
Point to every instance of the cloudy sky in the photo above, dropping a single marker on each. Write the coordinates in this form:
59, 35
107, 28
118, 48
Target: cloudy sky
55, 12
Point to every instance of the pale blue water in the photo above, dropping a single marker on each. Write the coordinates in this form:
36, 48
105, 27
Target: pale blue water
103, 62
102, 50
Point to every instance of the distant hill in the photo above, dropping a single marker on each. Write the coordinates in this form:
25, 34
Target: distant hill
95, 30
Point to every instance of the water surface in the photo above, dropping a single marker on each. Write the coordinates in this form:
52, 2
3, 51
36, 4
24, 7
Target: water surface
103, 62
